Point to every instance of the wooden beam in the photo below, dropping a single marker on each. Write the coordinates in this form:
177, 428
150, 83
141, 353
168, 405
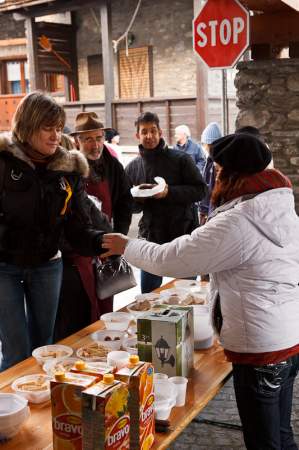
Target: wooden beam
201, 87
34, 76
57, 7
12, 42
274, 29
108, 61
292, 3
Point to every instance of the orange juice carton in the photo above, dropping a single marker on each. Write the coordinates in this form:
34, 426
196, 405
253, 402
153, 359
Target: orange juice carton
96, 369
66, 391
105, 416
139, 376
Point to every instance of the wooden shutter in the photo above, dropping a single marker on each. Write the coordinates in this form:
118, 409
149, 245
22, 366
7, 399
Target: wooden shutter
135, 73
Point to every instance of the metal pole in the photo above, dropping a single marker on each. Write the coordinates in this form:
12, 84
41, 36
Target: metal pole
224, 99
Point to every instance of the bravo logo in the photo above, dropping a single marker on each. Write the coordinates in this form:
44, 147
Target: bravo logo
221, 33
118, 433
148, 410
67, 426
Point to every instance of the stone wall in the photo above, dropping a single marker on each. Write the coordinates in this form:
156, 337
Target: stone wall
10, 28
268, 98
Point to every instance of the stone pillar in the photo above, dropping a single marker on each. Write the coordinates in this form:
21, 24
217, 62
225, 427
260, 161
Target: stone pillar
268, 98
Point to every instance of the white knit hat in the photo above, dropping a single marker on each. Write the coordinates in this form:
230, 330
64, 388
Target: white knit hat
211, 133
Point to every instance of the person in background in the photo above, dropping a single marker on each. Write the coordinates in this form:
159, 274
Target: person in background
112, 142
41, 197
250, 245
186, 144
108, 187
170, 213
210, 134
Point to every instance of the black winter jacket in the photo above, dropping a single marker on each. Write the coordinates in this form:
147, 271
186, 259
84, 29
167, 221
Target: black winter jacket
121, 198
36, 207
165, 219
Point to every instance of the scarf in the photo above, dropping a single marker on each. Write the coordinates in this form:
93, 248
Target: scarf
35, 156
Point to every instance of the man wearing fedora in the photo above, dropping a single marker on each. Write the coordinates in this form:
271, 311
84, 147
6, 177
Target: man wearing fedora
108, 185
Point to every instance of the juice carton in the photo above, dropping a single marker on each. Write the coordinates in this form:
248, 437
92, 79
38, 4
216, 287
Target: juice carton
105, 416
96, 369
66, 392
166, 339
139, 377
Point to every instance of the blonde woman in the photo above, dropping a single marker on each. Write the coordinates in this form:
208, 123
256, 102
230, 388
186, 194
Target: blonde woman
41, 195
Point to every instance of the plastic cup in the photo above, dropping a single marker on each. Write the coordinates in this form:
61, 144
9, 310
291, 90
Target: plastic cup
118, 359
160, 376
181, 385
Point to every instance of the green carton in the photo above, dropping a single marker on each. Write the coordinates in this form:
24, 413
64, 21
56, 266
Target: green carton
165, 338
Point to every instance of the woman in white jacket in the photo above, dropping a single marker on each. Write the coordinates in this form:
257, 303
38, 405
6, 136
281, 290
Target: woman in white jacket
250, 246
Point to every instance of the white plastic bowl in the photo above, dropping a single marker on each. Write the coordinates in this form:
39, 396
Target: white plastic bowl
118, 321
187, 284
118, 359
32, 396
94, 358
41, 356
112, 344
14, 411
54, 365
130, 345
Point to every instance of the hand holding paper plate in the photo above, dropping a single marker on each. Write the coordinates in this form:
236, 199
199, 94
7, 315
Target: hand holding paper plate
145, 190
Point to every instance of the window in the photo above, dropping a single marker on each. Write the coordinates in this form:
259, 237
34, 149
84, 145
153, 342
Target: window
54, 82
95, 70
135, 73
15, 77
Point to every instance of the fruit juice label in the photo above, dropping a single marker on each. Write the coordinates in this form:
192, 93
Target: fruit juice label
141, 404
106, 421
66, 410
93, 369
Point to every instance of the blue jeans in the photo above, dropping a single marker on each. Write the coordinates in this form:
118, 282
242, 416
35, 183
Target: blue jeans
264, 397
149, 282
28, 305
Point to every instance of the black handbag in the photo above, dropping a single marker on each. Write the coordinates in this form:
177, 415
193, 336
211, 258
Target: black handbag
113, 276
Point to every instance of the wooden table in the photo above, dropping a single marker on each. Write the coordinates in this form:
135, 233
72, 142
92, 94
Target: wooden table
210, 373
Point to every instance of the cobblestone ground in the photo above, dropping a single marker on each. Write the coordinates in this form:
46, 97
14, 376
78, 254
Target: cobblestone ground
223, 408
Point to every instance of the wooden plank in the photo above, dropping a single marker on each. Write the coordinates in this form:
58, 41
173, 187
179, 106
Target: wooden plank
211, 370
12, 42
265, 5
274, 29
108, 62
201, 88
34, 77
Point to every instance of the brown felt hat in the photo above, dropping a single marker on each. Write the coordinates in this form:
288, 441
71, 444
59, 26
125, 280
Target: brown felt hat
87, 121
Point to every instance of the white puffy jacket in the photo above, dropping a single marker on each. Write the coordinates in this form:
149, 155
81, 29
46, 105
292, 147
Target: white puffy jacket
251, 248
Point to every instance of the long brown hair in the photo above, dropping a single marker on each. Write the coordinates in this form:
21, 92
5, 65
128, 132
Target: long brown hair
226, 185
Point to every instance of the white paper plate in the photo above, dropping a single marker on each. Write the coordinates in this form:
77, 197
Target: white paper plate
137, 192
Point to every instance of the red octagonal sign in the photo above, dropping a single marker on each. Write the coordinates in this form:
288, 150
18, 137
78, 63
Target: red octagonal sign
221, 33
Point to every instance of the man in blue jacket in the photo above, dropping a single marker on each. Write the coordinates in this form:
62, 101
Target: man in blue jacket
186, 144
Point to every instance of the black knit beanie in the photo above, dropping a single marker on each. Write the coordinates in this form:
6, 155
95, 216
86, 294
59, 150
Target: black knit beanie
241, 152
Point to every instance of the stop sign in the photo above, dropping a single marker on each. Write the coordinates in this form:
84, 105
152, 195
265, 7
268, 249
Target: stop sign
221, 33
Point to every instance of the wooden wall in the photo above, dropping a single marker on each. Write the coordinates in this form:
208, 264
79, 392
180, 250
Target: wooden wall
172, 112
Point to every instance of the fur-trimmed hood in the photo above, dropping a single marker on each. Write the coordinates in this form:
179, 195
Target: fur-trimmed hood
65, 160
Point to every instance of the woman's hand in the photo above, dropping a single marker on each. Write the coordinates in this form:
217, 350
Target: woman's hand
115, 243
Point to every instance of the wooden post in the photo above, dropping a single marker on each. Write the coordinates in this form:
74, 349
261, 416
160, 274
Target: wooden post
201, 86
34, 76
108, 62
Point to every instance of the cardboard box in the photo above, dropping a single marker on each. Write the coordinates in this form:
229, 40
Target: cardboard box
139, 376
166, 339
105, 417
66, 393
